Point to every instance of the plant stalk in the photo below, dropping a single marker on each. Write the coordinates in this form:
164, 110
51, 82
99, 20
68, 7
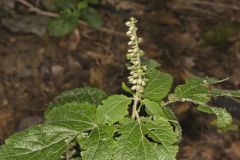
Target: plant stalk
134, 109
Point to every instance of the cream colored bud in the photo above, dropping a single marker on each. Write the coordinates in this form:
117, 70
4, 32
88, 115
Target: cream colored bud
130, 50
128, 23
130, 43
133, 87
139, 81
135, 75
135, 62
140, 71
130, 77
138, 88
132, 72
132, 38
128, 33
135, 50
134, 81
140, 40
143, 83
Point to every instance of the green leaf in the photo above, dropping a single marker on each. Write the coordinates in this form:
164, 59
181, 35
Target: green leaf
223, 117
194, 91
61, 26
99, 144
113, 109
133, 143
160, 130
170, 116
76, 116
91, 95
151, 63
126, 88
158, 85
167, 152
63, 123
91, 17
152, 108
65, 4
37, 143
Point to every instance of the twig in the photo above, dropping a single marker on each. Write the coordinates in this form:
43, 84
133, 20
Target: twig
32, 8
208, 3
215, 4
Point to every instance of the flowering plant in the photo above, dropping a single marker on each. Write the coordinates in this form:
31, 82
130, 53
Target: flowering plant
141, 126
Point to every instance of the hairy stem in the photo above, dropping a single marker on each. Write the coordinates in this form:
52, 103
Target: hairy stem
134, 109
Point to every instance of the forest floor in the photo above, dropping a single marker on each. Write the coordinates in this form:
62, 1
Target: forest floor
199, 38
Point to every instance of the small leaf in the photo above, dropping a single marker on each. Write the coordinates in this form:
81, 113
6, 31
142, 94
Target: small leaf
194, 91
126, 88
92, 17
223, 117
76, 116
99, 144
113, 109
170, 116
158, 85
37, 143
61, 26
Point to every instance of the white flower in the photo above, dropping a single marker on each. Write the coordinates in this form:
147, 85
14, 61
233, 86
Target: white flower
137, 70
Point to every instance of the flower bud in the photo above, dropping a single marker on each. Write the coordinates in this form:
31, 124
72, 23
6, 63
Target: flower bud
139, 81
135, 75
135, 62
139, 40
134, 81
128, 33
133, 87
128, 23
